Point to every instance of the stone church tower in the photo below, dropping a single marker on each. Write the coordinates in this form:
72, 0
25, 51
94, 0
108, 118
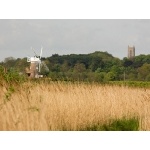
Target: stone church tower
131, 52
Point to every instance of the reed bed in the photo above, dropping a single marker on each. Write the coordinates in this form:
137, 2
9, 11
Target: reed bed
61, 106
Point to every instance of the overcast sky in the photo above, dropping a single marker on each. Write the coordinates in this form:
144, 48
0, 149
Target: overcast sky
73, 36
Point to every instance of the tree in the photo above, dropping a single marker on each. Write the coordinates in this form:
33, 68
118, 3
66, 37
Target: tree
118, 71
9, 62
110, 76
96, 63
65, 66
79, 67
56, 68
8, 59
148, 77
127, 62
144, 71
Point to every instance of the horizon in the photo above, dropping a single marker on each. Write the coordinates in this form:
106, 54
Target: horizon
72, 54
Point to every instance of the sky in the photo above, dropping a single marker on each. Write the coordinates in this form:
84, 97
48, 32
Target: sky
73, 36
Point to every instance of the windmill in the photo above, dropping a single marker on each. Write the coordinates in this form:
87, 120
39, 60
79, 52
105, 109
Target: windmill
35, 65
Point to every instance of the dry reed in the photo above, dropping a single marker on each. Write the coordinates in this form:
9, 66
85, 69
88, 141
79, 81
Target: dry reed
68, 106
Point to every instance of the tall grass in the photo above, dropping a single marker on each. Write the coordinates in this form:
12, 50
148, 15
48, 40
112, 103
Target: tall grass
123, 124
70, 106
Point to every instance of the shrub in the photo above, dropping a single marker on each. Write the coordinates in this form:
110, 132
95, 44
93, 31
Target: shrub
11, 76
123, 124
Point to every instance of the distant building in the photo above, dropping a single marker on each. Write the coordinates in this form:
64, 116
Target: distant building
131, 52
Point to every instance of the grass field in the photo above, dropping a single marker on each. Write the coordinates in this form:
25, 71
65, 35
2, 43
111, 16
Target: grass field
70, 106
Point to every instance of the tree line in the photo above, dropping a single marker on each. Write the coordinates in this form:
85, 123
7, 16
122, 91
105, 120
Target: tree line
97, 66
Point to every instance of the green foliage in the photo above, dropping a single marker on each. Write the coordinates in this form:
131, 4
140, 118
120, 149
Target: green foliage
11, 76
139, 84
144, 72
2, 72
127, 62
97, 66
33, 109
110, 76
9, 79
8, 94
124, 124
79, 67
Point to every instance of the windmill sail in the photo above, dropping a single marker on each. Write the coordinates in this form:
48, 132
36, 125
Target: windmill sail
41, 52
45, 66
39, 66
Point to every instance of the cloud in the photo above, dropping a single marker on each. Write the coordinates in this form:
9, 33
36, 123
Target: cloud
73, 36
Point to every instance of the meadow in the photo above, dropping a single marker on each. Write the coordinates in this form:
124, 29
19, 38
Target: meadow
78, 106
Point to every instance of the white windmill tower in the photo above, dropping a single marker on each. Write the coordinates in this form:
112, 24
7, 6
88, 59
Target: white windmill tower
35, 65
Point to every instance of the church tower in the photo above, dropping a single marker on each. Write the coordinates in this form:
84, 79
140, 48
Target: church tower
131, 52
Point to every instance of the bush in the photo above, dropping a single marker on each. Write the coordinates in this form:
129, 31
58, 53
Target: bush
11, 76
123, 124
